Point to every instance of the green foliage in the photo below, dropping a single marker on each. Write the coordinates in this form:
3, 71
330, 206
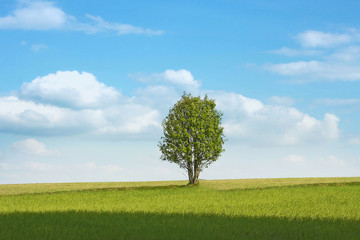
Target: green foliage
193, 135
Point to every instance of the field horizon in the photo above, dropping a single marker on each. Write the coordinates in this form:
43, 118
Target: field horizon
271, 208
219, 184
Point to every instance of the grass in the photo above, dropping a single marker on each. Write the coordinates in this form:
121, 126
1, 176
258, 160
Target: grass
309, 208
231, 184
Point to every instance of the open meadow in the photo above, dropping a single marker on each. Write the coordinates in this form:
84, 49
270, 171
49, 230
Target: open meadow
297, 208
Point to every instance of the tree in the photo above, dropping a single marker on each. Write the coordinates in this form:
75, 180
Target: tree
193, 135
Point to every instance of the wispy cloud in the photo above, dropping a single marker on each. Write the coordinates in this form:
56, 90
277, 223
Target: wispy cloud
44, 15
307, 71
339, 62
98, 24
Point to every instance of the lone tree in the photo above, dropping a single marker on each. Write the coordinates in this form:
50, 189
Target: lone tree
193, 135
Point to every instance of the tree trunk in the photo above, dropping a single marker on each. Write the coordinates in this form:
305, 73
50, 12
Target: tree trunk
191, 176
194, 175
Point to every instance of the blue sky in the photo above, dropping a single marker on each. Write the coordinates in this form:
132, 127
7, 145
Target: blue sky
85, 86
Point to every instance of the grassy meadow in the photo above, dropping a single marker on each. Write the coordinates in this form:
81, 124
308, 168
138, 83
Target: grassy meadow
298, 208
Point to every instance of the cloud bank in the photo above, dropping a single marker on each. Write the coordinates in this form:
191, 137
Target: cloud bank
69, 102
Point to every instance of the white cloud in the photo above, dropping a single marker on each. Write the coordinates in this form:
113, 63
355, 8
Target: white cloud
70, 89
100, 25
347, 54
282, 101
68, 103
33, 147
22, 116
252, 121
340, 61
317, 70
35, 15
176, 78
296, 159
38, 47
49, 109
26, 117
128, 119
236, 104
295, 68
159, 96
180, 77
44, 15
313, 38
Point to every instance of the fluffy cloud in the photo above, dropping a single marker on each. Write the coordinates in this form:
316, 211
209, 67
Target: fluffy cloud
35, 15
70, 89
44, 15
69, 103
33, 147
27, 117
22, 116
249, 119
320, 39
128, 119
182, 79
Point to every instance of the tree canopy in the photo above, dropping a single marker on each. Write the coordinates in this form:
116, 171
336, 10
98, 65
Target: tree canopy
193, 135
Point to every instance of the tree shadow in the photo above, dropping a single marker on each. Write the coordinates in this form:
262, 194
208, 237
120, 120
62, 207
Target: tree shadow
137, 225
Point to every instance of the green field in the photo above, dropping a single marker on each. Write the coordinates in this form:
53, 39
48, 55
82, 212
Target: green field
302, 208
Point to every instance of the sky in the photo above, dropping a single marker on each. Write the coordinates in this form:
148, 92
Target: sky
85, 85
